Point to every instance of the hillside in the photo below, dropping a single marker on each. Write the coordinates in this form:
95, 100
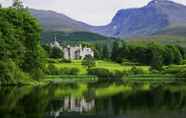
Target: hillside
48, 37
53, 21
173, 31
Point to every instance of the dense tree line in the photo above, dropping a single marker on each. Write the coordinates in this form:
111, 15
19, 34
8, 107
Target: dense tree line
152, 54
20, 49
102, 51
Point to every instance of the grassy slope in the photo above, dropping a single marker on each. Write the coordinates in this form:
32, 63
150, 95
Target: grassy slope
99, 64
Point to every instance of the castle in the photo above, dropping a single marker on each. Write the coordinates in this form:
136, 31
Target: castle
73, 52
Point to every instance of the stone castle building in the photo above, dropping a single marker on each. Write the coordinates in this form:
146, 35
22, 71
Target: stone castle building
73, 52
77, 52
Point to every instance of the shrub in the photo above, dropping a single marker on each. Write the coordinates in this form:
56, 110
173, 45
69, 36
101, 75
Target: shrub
65, 61
52, 70
118, 74
37, 74
56, 53
69, 71
53, 60
88, 61
172, 70
134, 70
10, 73
181, 73
105, 73
100, 72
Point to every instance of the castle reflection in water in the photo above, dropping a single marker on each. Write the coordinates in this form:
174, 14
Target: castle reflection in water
71, 104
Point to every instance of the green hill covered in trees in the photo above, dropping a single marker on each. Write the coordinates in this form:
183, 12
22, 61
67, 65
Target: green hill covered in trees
48, 36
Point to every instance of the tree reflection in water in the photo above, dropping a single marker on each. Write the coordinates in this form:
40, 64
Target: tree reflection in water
82, 101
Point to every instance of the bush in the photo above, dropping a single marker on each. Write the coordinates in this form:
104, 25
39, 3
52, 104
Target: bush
69, 71
10, 73
53, 60
134, 70
100, 72
181, 73
118, 74
53, 70
65, 61
184, 62
37, 74
172, 70
105, 73
88, 61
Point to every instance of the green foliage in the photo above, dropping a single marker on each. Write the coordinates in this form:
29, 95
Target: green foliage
66, 61
115, 55
69, 37
56, 53
103, 73
69, 71
153, 54
88, 61
53, 70
17, 4
100, 72
20, 40
181, 73
105, 52
173, 69
134, 70
53, 52
10, 73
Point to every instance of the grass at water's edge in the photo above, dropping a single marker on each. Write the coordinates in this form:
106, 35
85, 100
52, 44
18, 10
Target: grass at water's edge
101, 64
112, 66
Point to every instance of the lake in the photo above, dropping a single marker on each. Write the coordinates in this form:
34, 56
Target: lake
94, 100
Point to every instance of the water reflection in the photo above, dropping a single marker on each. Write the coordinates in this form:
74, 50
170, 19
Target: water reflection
94, 101
70, 104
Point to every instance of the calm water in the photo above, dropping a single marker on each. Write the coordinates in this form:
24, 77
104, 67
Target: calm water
94, 101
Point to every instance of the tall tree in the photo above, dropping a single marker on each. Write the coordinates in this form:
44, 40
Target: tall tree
56, 53
105, 52
18, 4
98, 51
20, 40
88, 61
115, 51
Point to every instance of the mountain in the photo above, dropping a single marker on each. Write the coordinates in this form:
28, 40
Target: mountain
173, 31
158, 17
53, 21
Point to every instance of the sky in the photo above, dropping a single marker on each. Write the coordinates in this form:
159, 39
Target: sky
94, 12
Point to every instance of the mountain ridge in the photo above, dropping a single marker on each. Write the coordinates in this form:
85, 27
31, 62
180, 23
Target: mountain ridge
156, 16
145, 21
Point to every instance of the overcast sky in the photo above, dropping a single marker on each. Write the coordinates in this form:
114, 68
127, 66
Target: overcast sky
95, 12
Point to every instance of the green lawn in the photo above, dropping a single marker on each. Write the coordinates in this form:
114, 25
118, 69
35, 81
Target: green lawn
99, 64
